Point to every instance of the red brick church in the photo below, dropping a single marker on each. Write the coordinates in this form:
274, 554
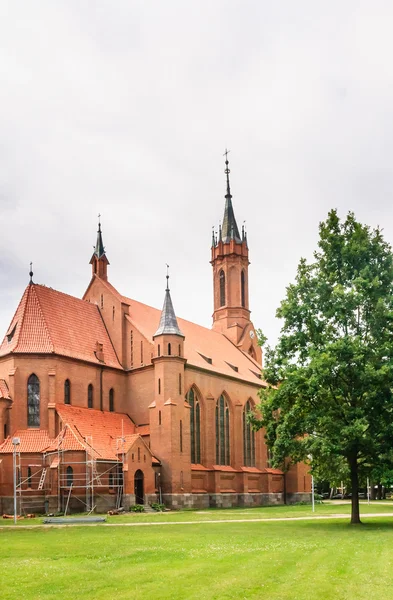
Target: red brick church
105, 401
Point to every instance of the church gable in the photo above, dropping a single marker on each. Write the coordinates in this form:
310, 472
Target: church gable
48, 321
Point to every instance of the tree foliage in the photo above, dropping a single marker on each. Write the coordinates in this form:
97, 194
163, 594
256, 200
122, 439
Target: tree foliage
330, 377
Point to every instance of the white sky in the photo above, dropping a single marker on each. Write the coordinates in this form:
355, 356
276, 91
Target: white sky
125, 108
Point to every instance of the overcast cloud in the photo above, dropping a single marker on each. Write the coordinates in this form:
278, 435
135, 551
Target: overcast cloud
125, 108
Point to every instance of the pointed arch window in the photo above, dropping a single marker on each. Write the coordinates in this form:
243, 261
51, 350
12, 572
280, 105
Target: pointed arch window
33, 401
111, 400
222, 432
248, 438
70, 476
90, 396
222, 288
243, 288
67, 392
195, 426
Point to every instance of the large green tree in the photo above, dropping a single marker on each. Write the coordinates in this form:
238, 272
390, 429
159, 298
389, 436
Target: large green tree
331, 374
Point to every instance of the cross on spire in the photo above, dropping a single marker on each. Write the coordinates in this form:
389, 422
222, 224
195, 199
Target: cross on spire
31, 272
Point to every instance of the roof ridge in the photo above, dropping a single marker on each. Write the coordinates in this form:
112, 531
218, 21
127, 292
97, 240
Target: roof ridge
43, 317
109, 337
25, 298
51, 289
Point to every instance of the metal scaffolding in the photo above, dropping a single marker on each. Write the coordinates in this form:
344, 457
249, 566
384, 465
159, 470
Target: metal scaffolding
55, 474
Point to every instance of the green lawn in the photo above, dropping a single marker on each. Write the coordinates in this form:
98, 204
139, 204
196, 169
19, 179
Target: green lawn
297, 560
264, 512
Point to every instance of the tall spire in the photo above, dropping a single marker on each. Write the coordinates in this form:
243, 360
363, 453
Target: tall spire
99, 250
229, 226
168, 322
99, 260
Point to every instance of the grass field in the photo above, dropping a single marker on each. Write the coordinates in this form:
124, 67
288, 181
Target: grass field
264, 512
274, 560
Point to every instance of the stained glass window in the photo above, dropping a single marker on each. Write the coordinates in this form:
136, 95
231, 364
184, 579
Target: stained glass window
223, 455
248, 438
33, 401
195, 426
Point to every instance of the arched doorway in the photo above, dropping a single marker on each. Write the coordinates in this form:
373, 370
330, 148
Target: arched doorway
138, 487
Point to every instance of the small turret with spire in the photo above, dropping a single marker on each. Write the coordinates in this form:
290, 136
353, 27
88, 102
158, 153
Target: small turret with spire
168, 322
99, 261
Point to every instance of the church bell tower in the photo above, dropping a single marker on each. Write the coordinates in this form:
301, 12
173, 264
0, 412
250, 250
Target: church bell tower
229, 258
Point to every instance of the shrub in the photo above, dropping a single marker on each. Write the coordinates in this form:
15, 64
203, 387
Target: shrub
137, 508
158, 507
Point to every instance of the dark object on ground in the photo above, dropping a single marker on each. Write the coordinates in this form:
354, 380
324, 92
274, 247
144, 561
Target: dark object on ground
72, 520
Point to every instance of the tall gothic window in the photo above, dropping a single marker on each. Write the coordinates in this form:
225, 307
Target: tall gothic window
33, 401
248, 438
111, 400
67, 392
222, 432
70, 476
195, 426
222, 288
243, 288
90, 396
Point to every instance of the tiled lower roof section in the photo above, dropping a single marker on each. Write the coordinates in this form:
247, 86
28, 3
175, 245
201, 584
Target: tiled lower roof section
4, 393
31, 441
99, 432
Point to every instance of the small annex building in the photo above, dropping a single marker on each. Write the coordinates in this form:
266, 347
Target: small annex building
108, 402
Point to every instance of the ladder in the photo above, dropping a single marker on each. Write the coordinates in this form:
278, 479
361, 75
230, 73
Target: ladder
42, 479
96, 476
119, 496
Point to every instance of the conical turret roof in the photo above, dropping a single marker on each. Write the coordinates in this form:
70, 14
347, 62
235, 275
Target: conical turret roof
168, 322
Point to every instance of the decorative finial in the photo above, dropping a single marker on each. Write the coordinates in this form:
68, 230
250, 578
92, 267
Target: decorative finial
213, 237
227, 171
99, 221
31, 272
167, 277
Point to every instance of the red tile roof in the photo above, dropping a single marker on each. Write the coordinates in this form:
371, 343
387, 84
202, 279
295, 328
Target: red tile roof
4, 393
47, 321
98, 432
31, 440
198, 341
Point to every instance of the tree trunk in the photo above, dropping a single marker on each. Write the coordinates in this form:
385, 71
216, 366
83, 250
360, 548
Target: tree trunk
379, 492
372, 490
355, 512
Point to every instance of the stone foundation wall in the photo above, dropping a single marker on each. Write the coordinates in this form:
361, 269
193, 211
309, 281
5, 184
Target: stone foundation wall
224, 500
298, 497
174, 501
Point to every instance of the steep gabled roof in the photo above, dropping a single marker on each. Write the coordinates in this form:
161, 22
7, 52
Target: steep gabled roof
200, 345
48, 321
